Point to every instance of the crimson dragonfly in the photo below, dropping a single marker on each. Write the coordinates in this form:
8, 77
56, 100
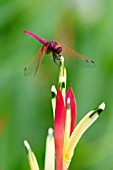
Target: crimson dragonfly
51, 47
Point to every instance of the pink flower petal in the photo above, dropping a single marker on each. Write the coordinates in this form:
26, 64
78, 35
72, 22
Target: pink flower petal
59, 129
70, 95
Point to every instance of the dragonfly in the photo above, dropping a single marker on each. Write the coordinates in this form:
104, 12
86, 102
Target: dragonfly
55, 48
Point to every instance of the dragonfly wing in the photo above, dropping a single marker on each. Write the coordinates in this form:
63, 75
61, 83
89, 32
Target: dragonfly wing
31, 67
76, 58
34, 64
43, 51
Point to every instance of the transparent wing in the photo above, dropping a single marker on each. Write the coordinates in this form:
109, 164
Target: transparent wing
35, 62
76, 58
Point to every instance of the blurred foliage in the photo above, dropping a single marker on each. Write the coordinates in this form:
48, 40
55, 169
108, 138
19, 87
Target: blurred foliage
25, 106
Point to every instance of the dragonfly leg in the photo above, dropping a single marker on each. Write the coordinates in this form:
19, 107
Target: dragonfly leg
55, 58
58, 57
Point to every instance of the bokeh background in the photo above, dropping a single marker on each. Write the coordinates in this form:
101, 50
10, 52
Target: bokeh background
25, 102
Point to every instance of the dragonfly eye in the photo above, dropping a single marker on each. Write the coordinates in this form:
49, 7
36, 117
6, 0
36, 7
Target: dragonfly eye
58, 50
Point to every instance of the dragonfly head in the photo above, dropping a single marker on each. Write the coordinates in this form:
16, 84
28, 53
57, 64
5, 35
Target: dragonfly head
55, 47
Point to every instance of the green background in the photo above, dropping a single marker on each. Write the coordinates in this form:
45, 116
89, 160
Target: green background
25, 102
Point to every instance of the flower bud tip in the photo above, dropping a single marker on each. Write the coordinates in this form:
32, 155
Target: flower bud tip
62, 58
102, 106
50, 131
26, 144
53, 89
